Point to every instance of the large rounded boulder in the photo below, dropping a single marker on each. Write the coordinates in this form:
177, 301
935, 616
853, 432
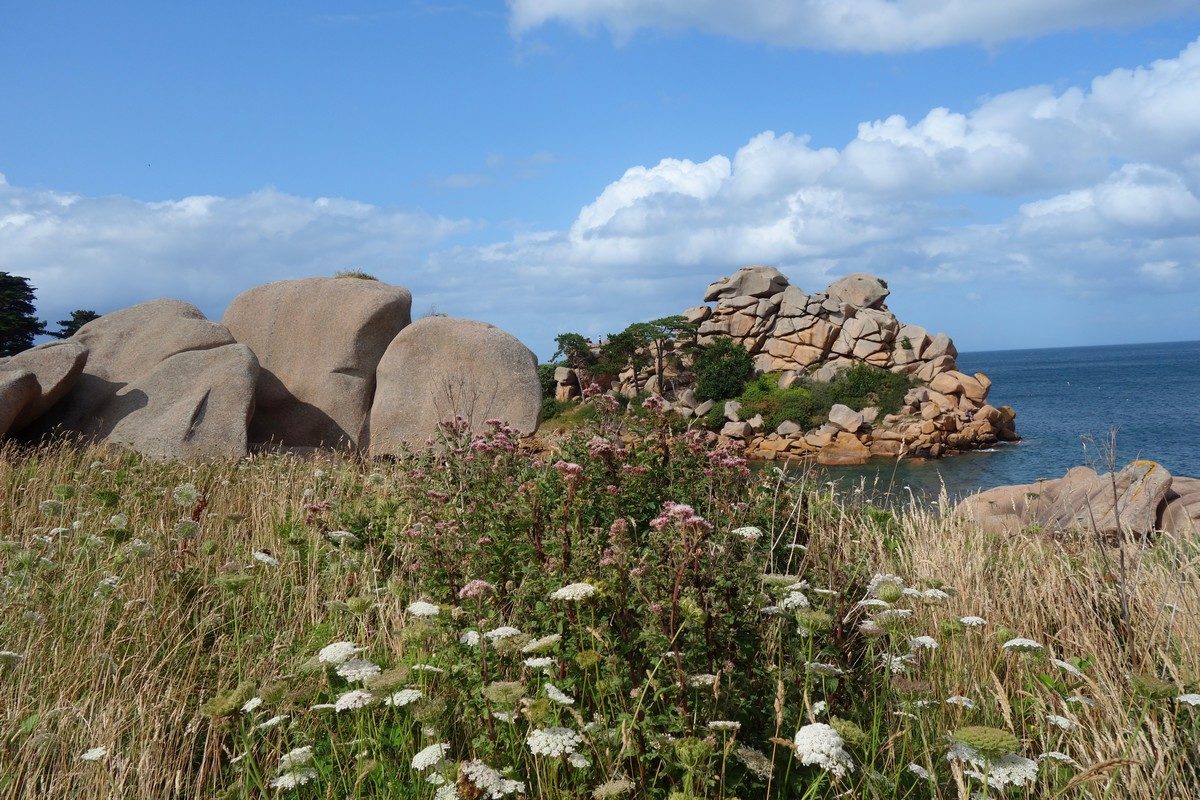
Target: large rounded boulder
56, 367
318, 341
162, 380
440, 368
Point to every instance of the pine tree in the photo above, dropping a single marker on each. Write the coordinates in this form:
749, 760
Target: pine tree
18, 323
67, 327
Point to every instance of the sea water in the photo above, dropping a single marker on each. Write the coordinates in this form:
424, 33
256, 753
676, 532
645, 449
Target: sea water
1067, 400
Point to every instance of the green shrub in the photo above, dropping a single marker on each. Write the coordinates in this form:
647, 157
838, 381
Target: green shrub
355, 273
865, 385
546, 378
722, 370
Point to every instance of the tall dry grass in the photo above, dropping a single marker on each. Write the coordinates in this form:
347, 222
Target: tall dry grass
124, 629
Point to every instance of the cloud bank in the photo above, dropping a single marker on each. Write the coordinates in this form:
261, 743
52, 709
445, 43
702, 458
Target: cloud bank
1037, 217
854, 25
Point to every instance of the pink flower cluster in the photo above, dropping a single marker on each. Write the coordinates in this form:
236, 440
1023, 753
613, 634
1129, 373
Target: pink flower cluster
475, 589
679, 514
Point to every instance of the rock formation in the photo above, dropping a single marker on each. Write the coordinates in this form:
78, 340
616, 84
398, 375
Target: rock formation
55, 368
160, 379
1138, 500
816, 336
439, 368
318, 342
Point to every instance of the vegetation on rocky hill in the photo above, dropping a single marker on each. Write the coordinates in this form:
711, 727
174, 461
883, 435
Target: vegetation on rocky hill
637, 615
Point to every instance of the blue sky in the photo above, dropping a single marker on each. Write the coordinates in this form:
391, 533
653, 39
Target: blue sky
551, 165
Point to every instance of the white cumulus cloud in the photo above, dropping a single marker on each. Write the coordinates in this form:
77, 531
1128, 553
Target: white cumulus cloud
854, 25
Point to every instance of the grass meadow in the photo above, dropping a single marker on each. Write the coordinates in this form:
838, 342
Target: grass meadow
632, 615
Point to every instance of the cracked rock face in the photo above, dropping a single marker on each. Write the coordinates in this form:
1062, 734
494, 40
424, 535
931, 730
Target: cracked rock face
318, 341
161, 379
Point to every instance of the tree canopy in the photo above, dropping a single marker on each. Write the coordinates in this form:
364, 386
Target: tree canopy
18, 322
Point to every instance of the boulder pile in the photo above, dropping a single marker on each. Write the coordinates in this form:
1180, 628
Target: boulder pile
796, 334
318, 362
1134, 502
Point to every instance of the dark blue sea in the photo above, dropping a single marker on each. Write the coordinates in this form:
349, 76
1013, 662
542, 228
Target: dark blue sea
1067, 401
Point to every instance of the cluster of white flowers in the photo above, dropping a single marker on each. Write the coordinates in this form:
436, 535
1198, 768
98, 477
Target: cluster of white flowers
296, 758
1022, 645
919, 771
973, 622
357, 670
819, 745
542, 644
823, 669
501, 633
185, 495
251, 705
357, 698
881, 578
265, 557
896, 664
430, 756
540, 662
999, 772
960, 700
294, 778
403, 697
748, 532
420, 608
701, 679
724, 725
558, 695
94, 754
292, 770
818, 709
553, 742
573, 592
490, 781
922, 643
271, 723
1067, 667
337, 652
470, 638
794, 600
935, 595
1054, 755
1190, 699
342, 537
10, 657
430, 668
1061, 722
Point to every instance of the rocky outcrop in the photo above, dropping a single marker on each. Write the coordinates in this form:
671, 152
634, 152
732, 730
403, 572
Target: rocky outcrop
815, 337
439, 368
160, 379
1138, 500
18, 389
56, 368
318, 342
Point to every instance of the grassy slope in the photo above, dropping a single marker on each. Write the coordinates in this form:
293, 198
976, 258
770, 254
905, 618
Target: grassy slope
128, 632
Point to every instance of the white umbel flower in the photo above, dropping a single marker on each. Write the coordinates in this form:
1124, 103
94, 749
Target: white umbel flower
823, 669
1061, 722
10, 657
489, 781
748, 532
422, 609
470, 638
94, 754
264, 557
724, 725
819, 745
1190, 699
573, 592
794, 601
756, 761
935, 595
542, 644
251, 705
357, 670
558, 695
271, 723
294, 778
1068, 667
1022, 645
973, 622
999, 773
403, 697
919, 771
430, 756
922, 643
960, 700
701, 679
501, 633
358, 698
337, 652
553, 742
539, 662
295, 758
1062, 758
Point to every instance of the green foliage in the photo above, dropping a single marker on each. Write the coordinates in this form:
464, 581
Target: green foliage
722, 370
67, 327
551, 408
575, 349
355, 273
546, 378
865, 385
18, 323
